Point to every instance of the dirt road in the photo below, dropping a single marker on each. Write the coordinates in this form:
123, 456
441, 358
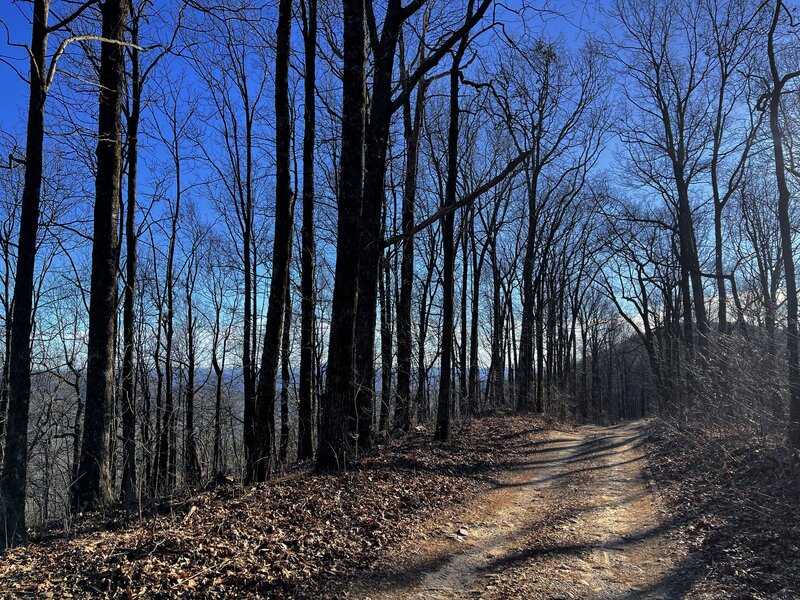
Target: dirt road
575, 517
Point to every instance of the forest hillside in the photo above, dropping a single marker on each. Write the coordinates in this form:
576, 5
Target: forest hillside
399, 298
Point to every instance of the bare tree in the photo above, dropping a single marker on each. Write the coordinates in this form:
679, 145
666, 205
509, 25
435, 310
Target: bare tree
138, 76
664, 57
235, 95
412, 127
281, 254
15, 459
445, 407
771, 101
334, 426
382, 107
307, 385
92, 486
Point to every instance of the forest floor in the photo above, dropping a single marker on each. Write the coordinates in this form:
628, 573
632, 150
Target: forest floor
515, 507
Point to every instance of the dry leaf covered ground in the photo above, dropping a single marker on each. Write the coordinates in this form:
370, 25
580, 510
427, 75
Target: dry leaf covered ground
515, 507
290, 538
736, 499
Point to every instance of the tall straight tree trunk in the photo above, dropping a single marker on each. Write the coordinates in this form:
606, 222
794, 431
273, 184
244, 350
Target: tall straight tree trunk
686, 304
526, 376
497, 329
690, 261
338, 402
307, 390
491, 384
584, 402
474, 379
249, 417
92, 489
249, 328
376, 140
217, 464
539, 322
574, 382
166, 447
172, 458
596, 400
411, 130
474, 384
156, 451
421, 401
279, 281
15, 458
550, 344
191, 456
9, 306
218, 357
722, 295
385, 295
467, 230
77, 429
444, 411
128, 490
785, 224
285, 377
4, 391
512, 370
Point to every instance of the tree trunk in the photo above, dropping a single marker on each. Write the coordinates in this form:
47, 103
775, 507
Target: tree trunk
285, 377
584, 403
249, 317
691, 263
15, 459
539, 323
92, 489
473, 383
385, 295
445, 408
191, 457
306, 392
525, 379
279, 281
167, 452
154, 482
128, 490
337, 407
467, 230
785, 224
219, 466
376, 140
411, 130
421, 400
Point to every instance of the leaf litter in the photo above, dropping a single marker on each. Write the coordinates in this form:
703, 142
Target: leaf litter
736, 496
288, 538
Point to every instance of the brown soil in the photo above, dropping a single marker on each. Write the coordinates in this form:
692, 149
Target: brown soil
575, 517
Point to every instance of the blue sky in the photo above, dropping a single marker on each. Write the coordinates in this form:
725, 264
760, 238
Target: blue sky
16, 29
575, 16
